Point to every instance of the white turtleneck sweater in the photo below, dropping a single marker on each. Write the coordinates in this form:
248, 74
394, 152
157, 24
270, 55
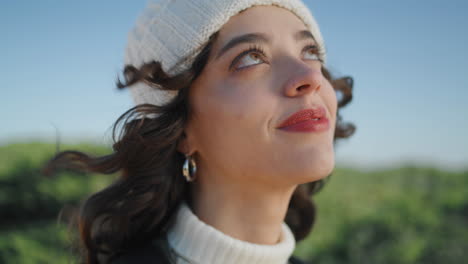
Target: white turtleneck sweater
195, 242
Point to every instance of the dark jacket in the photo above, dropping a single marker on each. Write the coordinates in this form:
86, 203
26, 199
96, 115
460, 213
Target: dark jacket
158, 252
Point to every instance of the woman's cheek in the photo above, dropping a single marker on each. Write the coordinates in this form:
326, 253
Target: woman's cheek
331, 98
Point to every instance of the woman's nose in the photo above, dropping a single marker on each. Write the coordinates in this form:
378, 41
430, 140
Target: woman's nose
304, 79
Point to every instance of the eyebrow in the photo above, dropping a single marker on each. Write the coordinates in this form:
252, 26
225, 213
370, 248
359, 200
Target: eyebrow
247, 38
303, 35
259, 37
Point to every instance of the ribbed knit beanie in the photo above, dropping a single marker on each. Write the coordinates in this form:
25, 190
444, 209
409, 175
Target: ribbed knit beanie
173, 32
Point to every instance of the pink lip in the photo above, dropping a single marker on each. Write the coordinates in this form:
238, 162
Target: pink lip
307, 120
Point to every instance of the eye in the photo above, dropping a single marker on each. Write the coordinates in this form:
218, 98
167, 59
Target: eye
311, 52
249, 60
250, 57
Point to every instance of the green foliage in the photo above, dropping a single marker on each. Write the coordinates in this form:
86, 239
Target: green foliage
40, 242
404, 215
31, 230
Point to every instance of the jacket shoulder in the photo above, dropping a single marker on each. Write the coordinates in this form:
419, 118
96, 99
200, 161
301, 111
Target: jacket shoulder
154, 252
295, 260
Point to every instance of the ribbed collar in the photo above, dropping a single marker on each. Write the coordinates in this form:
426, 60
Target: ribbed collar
200, 243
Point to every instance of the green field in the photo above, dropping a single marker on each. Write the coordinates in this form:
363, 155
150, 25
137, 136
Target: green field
403, 215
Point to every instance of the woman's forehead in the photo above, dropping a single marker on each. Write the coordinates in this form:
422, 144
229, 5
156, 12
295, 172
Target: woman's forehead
268, 21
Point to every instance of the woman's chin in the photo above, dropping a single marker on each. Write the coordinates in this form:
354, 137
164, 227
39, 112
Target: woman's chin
315, 171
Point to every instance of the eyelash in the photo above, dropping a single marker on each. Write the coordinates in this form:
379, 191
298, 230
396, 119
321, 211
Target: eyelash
250, 49
315, 49
257, 49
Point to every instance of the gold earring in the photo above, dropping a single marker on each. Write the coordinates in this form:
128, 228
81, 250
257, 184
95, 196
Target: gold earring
189, 169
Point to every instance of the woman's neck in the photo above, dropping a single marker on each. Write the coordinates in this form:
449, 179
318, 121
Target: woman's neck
253, 215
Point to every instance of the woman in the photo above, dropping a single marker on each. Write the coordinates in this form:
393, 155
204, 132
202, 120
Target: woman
233, 130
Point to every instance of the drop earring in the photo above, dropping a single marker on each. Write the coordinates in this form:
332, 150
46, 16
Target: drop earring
189, 169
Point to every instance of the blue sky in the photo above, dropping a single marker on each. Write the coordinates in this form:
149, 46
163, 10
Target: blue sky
59, 61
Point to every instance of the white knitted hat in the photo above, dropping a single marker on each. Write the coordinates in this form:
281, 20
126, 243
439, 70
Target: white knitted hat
174, 31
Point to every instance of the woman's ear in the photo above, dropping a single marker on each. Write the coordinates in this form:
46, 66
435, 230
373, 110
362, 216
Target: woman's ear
185, 145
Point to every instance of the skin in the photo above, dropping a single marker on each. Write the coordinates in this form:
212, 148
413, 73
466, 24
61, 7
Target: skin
247, 168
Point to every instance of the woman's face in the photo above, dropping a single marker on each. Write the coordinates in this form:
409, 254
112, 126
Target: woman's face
240, 99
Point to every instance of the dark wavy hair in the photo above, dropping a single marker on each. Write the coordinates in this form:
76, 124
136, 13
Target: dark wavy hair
141, 203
